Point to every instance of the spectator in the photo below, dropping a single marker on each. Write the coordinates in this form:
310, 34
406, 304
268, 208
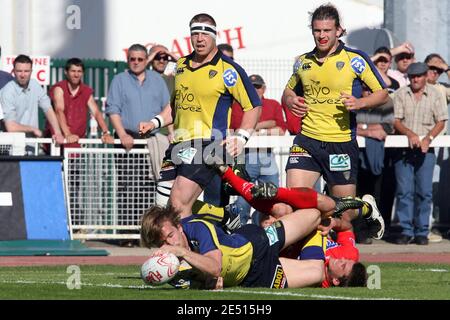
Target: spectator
404, 56
5, 77
226, 49
382, 59
159, 57
73, 100
260, 163
436, 67
206, 83
330, 78
419, 110
136, 95
20, 100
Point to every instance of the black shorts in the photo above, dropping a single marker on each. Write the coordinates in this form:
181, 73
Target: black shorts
187, 159
266, 270
337, 162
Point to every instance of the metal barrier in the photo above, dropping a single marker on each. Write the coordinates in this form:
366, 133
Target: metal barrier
108, 189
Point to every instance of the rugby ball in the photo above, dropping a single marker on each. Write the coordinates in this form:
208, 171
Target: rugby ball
160, 268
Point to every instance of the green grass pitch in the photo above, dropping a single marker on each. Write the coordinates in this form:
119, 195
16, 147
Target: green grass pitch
397, 281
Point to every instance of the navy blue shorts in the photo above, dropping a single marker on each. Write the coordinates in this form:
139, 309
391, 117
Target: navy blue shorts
187, 159
266, 270
337, 162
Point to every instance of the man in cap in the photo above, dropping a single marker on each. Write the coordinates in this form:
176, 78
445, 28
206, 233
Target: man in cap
420, 113
260, 163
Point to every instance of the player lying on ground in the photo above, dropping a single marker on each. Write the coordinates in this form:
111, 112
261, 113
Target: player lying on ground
249, 257
341, 264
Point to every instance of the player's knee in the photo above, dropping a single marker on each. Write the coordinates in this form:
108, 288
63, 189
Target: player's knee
163, 189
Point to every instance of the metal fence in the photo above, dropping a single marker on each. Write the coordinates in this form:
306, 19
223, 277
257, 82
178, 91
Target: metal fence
107, 190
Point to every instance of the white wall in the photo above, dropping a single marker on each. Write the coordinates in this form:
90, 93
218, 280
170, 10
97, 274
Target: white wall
268, 28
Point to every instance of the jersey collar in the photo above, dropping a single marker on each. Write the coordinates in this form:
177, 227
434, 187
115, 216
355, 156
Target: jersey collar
340, 47
212, 62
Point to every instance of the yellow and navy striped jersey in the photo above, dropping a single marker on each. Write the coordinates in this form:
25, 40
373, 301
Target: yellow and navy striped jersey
321, 85
237, 251
203, 97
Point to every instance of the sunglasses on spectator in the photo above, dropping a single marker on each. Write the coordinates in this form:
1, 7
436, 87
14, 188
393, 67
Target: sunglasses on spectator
412, 76
258, 86
161, 57
382, 59
436, 69
133, 59
403, 56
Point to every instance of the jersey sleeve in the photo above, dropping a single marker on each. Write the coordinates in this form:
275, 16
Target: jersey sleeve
367, 72
199, 233
238, 84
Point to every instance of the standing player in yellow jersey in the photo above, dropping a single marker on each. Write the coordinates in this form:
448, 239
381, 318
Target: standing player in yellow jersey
206, 84
330, 79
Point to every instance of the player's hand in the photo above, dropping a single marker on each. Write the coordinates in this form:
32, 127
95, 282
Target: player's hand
127, 141
219, 284
297, 106
107, 138
72, 138
234, 145
176, 250
350, 102
146, 128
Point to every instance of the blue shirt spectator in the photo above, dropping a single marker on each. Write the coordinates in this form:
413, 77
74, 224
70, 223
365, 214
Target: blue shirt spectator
19, 104
135, 102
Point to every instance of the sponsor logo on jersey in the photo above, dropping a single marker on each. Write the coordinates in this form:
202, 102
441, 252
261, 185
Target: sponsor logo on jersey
272, 234
340, 65
306, 66
179, 70
212, 73
358, 64
230, 77
331, 244
185, 100
190, 108
279, 278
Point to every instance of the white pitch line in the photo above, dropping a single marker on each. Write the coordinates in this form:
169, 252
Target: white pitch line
292, 294
430, 270
319, 296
